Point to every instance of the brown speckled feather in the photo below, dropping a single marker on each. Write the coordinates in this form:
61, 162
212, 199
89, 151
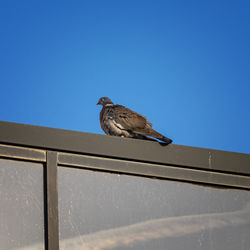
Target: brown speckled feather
128, 119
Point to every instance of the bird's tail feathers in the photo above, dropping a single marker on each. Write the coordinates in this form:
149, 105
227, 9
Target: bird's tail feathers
159, 136
152, 133
166, 140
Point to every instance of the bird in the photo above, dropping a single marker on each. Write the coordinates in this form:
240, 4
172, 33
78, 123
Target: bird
118, 120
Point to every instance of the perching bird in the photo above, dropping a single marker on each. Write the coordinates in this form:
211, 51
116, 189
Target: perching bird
120, 121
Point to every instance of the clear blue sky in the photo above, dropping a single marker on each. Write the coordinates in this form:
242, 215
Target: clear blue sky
183, 64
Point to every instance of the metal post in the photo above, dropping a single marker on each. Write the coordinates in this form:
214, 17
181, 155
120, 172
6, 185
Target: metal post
51, 202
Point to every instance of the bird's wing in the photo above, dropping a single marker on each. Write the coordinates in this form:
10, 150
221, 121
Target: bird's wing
127, 119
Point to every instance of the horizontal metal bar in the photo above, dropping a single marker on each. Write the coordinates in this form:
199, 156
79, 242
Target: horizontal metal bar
123, 148
23, 153
154, 170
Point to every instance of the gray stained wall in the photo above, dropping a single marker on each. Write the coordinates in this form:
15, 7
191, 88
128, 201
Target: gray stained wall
86, 191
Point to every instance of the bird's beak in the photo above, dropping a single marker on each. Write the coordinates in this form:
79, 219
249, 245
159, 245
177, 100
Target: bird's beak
98, 103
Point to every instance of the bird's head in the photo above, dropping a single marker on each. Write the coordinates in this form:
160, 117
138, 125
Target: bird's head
104, 101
